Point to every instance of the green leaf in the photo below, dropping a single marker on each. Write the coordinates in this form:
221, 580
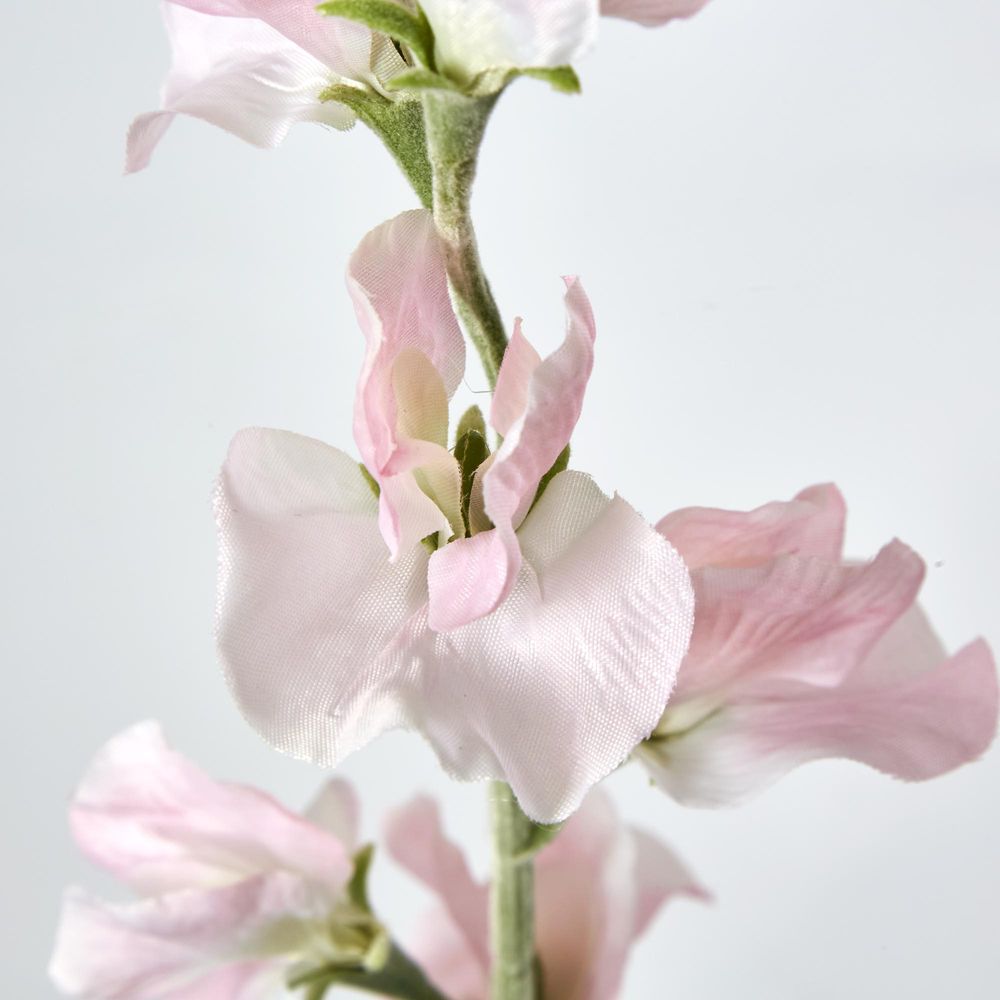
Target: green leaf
357, 888
392, 19
471, 451
421, 79
471, 420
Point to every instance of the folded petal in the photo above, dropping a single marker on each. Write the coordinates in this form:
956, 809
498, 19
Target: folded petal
476, 35
472, 577
415, 838
810, 525
805, 619
342, 46
187, 945
552, 690
237, 73
914, 728
159, 823
651, 12
510, 397
308, 604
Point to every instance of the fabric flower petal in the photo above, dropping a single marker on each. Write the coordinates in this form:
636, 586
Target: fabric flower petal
651, 12
552, 690
337, 811
471, 577
510, 397
181, 946
239, 74
159, 823
810, 525
476, 35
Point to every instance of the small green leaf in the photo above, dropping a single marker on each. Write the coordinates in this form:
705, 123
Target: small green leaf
492, 81
561, 78
421, 79
471, 420
392, 19
471, 451
357, 888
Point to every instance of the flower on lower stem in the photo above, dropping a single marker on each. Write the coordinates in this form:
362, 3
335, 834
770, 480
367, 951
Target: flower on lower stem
237, 892
537, 646
598, 886
797, 655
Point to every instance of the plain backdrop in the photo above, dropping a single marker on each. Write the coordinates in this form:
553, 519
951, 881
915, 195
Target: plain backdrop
787, 214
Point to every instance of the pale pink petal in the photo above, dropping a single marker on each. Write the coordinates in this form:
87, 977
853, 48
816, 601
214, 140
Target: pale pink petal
342, 46
239, 74
159, 823
810, 525
336, 810
651, 12
397, 280
797, 618
510, 397
913, 728
476, 35
553, 689
471, 577
180, 946
308, 604
442, 951
659, 876
415, 838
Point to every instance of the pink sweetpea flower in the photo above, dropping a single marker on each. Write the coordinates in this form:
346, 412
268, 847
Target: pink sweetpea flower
598, 886
798, 655
236, 891
537, 645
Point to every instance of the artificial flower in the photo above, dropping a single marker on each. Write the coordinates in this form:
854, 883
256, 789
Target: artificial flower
651, 12
598, 886
537, 644
237, 892
797, 655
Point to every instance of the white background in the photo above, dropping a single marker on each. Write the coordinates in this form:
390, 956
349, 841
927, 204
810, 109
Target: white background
787, 213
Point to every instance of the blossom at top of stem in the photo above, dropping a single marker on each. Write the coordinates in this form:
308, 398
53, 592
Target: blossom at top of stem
235, 890
798, 655
538, 646
598, 886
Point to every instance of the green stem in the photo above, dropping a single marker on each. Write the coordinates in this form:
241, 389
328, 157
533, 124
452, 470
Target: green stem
512, 901
399, 977
454, 124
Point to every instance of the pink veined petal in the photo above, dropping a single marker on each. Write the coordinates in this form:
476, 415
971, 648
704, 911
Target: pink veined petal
159, 823
336, 810
510, 397
553, 690
796, 618
239, 74
913, 728
416, 840
810, 525
651, 13
397, 280
308, 605
178, 946
342, 46
471, 577
476, 35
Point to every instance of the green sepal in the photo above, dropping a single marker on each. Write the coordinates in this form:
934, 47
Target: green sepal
409, 27
400, 126
561, 78
492, 81
430, 542
559, 465
397, 977
471, 420
539, 836
370, 480
471, 450
421, 79
357, 888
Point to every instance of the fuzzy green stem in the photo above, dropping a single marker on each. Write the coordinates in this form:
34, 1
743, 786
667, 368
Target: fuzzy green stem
454, 125
512, 900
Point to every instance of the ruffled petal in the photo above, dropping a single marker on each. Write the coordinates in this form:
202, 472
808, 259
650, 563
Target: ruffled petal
476, 35
471, 577
415, 838
552, 690
308, 604
184, 945
159, 823
810, 525
651, 12
239, 74
913, 727
510, 397
345, 47
796, 618
396, 278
